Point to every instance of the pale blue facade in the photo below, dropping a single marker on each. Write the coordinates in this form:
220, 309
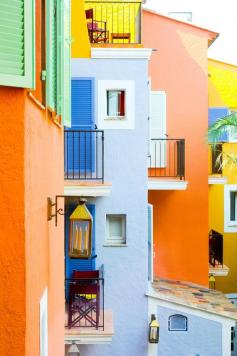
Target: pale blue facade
125, 268
202, 338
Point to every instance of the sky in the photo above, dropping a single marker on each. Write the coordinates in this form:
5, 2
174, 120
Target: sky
217, 15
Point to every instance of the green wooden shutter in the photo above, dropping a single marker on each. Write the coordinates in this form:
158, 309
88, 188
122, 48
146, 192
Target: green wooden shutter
51, 54
66, 62
17, 43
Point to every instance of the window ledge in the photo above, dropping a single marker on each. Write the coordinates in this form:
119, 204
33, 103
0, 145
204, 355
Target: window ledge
115, 245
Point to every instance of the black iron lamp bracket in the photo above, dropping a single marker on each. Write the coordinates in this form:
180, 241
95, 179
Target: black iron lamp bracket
53, 210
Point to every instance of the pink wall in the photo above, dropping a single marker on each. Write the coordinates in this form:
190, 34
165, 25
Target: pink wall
179, 67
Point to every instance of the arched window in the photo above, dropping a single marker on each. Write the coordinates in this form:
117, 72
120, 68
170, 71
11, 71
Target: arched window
178, 322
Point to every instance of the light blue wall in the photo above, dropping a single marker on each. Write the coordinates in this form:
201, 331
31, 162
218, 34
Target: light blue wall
126, 169
203, 337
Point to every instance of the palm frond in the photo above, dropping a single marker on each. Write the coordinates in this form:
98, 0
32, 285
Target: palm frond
226, 124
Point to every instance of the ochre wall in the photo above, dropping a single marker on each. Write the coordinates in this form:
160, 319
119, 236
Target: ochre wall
80, 40
179, 67
227, 284
31, 248
12, 215
44, 242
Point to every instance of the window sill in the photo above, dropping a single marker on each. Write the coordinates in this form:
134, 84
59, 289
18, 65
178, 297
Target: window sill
114, 245
116, 118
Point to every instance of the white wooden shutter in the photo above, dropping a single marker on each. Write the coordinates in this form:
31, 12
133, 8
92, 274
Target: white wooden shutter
157, 129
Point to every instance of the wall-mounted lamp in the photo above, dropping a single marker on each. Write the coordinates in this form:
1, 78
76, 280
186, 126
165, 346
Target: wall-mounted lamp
54, 210
73, 350
154, 330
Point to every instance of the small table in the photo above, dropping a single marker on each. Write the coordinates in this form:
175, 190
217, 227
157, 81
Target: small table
120, 36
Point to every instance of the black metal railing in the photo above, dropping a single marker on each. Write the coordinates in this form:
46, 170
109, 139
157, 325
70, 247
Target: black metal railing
84, 302
216, 159
215, 248
114, 21
84, 154
167, 158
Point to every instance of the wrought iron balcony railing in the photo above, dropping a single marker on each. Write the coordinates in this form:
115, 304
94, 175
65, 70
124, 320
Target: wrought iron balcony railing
84, 295
114, 21
167, 158
84, 154
215, 248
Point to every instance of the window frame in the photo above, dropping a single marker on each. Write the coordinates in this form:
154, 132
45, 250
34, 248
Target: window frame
123, 239
116, 117
229, 226
177, 330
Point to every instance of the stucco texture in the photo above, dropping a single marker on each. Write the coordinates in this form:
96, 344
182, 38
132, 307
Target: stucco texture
31, 251
126, 169
179, 67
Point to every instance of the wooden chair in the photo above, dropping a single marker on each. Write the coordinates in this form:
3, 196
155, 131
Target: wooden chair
84, 299
97, 30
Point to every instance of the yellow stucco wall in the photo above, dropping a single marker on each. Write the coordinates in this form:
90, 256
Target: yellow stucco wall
80, 41
222, 93
216, 222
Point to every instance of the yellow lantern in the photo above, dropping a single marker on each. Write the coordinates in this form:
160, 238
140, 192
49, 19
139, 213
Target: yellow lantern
80, 233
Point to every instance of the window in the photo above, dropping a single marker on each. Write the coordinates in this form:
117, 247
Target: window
17, 34
216, 152
183, 16
230, 208
116, 109
115, 230
178, 322
116, 103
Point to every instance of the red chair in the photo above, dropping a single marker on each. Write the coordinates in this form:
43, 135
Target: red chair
97, 30
84, 299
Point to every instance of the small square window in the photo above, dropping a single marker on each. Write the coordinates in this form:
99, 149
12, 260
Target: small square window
116, 229
178, 322
116, 104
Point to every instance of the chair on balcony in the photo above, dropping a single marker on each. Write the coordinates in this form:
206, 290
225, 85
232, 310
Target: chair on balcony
84, 299
97, 30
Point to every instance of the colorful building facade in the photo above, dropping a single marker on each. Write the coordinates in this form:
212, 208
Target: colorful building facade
32, 268
222, 175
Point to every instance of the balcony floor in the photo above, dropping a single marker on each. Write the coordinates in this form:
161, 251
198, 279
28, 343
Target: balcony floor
91, 335
86, 188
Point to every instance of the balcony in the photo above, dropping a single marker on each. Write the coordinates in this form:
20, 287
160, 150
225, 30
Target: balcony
113, 22
216, 266
166, 164
86, 320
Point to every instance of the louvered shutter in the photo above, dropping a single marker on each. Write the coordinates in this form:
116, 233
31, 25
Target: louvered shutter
51, 54
65, 105
213, 115
157, 129
17, 43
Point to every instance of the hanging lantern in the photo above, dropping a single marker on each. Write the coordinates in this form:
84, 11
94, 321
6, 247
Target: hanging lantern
80, 233
73, 350
154, 330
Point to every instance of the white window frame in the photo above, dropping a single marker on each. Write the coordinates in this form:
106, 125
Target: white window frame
44, 324
229, 226
184, 317
126, 122
121, 240
116, 117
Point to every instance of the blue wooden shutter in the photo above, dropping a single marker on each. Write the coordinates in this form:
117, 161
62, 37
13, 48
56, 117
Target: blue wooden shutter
75, 263
17, 43
213, 115
81, 145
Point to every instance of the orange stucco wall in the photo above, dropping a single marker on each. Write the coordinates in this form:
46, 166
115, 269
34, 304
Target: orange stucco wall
179, 67
31, 248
